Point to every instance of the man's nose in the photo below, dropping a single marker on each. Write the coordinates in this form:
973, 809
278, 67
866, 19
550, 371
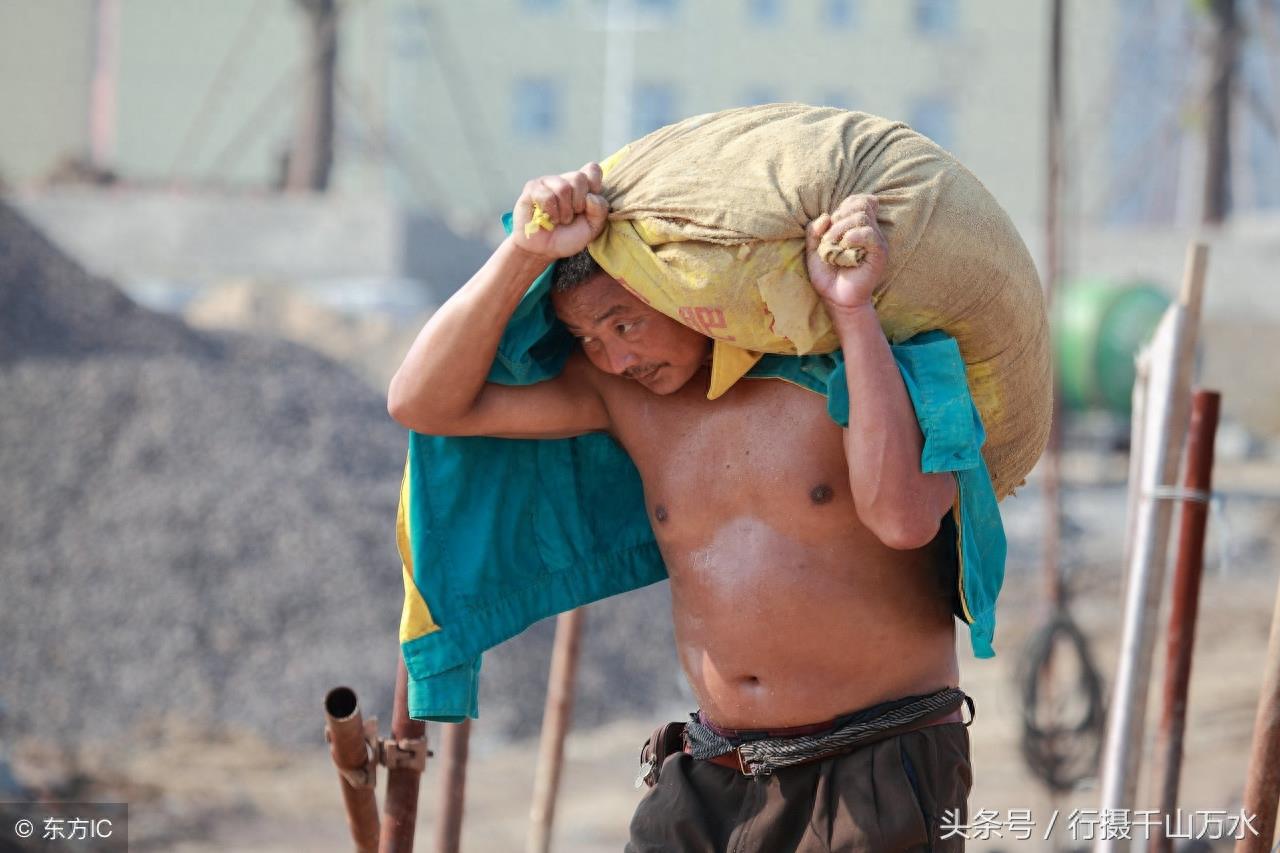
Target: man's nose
620, 357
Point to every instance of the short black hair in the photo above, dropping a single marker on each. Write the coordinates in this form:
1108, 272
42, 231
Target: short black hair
573, 271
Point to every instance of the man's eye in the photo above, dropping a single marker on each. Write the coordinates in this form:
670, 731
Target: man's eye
586, 340
623, 328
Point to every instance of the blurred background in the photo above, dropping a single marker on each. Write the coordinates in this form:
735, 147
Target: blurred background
221, 225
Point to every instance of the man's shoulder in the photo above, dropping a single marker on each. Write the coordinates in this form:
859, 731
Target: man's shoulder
614, 390
582, 377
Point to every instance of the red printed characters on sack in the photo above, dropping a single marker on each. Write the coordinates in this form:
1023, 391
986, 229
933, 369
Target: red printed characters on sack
706, 319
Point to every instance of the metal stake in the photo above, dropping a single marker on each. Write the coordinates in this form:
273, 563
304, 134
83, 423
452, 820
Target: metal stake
455, 744
1198, 483
400, 811
349, 745
1167, 404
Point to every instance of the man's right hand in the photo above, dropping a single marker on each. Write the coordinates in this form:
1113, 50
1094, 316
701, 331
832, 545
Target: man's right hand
441, 387
575, 207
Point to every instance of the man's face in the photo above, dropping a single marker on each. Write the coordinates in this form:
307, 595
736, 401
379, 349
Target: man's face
623, 336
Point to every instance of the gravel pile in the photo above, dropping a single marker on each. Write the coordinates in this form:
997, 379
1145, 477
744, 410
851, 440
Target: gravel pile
200, 525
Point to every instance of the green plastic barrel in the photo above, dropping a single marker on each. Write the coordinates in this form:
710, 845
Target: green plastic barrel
1098, 327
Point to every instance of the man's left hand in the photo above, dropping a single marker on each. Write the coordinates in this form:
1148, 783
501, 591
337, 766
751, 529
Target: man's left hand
852, 226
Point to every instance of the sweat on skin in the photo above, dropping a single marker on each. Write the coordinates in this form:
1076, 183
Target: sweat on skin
828, 534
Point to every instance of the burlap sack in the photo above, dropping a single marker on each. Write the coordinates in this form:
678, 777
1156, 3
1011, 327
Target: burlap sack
707, 225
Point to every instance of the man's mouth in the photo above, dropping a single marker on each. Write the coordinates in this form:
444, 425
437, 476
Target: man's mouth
644, 375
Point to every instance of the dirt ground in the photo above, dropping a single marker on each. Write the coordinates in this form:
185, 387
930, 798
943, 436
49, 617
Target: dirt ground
192, 789
192, 793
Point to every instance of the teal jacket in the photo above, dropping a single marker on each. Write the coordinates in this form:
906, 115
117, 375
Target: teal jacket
495, 534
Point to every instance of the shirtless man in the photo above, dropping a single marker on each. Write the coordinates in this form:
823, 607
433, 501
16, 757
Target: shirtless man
803, 558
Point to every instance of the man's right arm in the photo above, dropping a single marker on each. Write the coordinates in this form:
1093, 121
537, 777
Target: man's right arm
440, 388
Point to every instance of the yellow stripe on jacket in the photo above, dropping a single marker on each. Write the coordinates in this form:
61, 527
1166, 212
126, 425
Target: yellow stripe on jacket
415, 619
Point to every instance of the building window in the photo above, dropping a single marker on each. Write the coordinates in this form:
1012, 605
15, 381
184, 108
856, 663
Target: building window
410, 28
536, 111
654, 107
840, 14
768, 12
839, 100
757, 95
655, 7
933, 117
935, 17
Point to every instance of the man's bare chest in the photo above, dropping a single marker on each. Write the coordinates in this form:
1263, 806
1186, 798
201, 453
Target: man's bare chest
766, 447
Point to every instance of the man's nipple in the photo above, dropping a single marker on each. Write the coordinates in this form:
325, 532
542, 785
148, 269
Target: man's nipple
821, 494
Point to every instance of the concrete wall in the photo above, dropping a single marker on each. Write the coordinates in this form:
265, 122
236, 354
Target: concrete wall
151, 242
46, 54
368, 251
993, 69
208, 90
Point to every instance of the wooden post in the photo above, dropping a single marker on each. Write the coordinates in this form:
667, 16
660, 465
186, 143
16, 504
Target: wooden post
1262, 788
555, 725
1198, 484
104, 88
311, 157
1052, 271
1224, 51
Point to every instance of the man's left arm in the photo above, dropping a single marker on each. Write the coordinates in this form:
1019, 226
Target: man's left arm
883, 442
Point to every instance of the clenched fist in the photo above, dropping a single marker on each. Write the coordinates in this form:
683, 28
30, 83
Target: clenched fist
573, 213
853, 229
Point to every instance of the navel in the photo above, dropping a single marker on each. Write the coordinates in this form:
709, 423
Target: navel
660, 512
821, 493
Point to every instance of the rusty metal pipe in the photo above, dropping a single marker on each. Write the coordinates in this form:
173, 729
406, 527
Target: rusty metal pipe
400, 809
455, 746
1198, 480
345, 731
555, 725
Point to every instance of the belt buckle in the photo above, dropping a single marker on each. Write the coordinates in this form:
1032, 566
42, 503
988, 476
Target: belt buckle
646, 770
742, 764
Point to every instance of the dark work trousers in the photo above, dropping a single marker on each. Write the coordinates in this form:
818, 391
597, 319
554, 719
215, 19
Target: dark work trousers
905, 792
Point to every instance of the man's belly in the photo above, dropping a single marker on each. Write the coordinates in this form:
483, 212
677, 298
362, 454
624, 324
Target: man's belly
776, 629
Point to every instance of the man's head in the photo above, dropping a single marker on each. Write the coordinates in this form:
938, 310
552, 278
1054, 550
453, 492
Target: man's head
619, 333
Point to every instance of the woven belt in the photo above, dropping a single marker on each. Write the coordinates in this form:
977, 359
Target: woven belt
735, 760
